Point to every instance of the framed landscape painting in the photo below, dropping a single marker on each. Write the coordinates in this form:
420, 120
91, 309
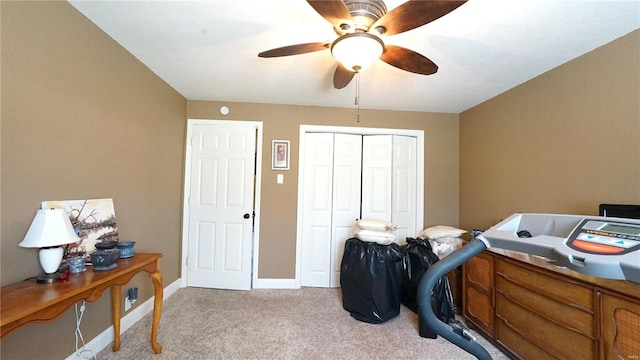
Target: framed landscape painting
93, 220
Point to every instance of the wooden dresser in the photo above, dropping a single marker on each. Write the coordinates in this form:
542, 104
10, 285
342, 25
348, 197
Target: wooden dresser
533, 309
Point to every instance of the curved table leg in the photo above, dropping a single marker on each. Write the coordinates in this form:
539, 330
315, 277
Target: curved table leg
115, 313
156, 277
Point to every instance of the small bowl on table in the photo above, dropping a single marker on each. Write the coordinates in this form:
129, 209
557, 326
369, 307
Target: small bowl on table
127, 249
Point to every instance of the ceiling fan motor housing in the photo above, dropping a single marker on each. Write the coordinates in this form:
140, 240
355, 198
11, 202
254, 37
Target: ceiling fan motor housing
364, 13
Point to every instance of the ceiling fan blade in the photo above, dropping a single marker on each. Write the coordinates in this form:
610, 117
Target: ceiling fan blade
413, 14
342, 77
295, 49
334, 11
408, 60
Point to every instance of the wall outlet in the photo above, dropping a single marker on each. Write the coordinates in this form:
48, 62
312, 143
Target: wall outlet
132, 296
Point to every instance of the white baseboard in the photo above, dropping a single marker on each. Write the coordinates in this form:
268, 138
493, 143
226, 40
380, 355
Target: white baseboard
105, 338
275, 284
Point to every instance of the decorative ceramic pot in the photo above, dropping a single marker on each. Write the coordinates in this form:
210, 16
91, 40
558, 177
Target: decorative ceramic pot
126, 249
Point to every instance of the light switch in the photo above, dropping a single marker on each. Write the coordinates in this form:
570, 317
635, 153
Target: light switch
280, 179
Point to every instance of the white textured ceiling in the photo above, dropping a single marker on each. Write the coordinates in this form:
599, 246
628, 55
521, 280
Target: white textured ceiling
207, 50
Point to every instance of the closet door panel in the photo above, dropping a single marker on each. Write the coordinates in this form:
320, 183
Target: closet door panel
346, 196
347, 177
317, 212
403, 211
376, 176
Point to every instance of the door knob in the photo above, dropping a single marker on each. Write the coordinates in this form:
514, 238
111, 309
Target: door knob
246, 216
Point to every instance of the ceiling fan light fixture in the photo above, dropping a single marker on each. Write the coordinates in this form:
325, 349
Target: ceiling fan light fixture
356, 51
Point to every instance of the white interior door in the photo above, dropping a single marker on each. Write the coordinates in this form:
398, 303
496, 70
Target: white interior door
220, 205
404, 194
317, 209
376, 177
332, 174
347, 175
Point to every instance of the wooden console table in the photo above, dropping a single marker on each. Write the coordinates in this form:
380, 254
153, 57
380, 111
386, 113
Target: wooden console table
27, 301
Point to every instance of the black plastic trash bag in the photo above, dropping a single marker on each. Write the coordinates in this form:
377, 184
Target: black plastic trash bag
417, 257
371, 280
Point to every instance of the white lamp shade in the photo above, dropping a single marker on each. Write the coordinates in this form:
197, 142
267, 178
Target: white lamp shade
356, 51
50, 227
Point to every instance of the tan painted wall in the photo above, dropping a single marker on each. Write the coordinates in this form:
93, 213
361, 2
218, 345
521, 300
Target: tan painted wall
279, 202
82, 118
563, 142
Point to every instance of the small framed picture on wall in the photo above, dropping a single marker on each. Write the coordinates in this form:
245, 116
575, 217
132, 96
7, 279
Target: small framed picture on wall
280, 155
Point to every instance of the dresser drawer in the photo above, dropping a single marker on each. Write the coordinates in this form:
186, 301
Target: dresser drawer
575, 318
517, 325
478, 282
478, 272
520, 346
563, 290
480, 307
620, 326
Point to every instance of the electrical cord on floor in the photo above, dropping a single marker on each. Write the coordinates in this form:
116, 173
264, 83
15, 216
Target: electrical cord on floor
81, 351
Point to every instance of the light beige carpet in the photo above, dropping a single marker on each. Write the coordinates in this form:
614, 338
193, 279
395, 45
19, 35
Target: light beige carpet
307, 323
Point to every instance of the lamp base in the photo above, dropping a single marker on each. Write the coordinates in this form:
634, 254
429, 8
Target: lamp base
48, 278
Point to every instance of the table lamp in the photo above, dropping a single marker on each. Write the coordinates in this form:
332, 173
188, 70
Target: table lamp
49, 230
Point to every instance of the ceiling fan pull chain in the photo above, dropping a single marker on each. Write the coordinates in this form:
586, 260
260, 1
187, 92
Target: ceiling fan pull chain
358, 95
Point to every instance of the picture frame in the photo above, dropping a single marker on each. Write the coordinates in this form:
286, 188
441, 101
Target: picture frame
280, 155
93, 220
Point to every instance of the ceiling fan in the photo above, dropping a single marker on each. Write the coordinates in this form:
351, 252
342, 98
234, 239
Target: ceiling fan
361, 25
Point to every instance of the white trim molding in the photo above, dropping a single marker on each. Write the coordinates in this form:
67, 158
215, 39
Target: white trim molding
275, 284
105, 338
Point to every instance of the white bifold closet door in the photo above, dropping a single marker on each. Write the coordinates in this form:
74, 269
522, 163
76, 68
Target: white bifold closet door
389, 181
348, 177
331, 204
